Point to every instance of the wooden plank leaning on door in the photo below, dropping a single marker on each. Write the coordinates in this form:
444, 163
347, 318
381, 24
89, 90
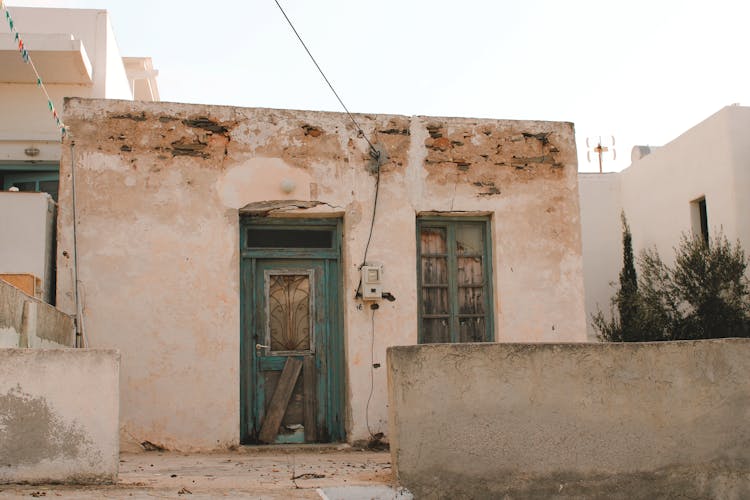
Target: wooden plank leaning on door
280, 400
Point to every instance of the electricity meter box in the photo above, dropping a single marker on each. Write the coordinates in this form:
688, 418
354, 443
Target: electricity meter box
372, 282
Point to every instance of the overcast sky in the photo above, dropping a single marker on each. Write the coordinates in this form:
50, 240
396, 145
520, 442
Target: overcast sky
643, 71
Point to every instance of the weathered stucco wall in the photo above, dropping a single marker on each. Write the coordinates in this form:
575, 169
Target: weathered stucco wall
642, 420
58, 415
159, 187
29, 322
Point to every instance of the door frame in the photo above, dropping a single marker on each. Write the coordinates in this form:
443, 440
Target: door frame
334, 349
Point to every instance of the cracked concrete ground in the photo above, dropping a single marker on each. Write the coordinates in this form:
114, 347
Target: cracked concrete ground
259, 473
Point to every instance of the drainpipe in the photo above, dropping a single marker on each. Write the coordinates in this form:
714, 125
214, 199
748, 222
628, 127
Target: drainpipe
79, 309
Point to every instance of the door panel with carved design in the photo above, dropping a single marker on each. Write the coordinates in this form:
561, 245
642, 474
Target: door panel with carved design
292, 344
288, 332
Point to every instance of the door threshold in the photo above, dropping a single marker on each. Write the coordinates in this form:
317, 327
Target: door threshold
295, 448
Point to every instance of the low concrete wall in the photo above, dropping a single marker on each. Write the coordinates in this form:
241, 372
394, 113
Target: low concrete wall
570, 420
59, 412
29, 322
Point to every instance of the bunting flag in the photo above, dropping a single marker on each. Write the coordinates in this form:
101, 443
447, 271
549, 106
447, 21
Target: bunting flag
27, 59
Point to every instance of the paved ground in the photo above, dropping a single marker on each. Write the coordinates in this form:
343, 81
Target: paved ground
259, 473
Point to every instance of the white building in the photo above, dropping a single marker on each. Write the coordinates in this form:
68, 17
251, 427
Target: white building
76, 55
699, 182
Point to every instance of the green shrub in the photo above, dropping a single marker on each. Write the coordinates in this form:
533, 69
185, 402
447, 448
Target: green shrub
704, 294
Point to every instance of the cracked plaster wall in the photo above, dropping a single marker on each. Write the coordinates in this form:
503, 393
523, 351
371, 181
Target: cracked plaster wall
159, 186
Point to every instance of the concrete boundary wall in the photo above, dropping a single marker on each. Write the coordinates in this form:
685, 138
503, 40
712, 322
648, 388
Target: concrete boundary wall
28, 322
572, 420
59, 415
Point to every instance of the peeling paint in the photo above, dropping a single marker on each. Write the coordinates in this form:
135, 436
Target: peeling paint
263, 208
312, 131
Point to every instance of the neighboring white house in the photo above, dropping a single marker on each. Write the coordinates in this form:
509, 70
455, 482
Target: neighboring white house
699, 182
76, 55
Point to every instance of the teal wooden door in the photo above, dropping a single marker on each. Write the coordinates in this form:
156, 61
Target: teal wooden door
292, 349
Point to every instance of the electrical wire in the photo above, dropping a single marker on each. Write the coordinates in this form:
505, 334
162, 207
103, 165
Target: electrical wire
357, 292
372, 373
79, 307
374, 153
372, 219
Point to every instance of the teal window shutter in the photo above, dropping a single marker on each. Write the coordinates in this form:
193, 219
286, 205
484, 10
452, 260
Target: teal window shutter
454, 279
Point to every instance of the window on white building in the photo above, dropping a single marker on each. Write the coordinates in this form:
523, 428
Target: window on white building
699, 218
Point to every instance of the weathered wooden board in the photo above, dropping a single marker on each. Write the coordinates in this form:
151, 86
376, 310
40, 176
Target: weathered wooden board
308, 374
280, 400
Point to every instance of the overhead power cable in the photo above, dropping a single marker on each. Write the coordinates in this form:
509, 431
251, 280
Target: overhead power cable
374, 153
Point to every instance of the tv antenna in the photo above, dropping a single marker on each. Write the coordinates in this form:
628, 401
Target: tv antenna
599, 148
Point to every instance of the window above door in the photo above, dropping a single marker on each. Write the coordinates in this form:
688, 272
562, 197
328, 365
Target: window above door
297, 238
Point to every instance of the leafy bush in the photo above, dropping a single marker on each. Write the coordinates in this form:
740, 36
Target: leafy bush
704, 294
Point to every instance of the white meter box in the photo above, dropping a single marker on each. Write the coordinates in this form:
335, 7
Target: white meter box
372, 282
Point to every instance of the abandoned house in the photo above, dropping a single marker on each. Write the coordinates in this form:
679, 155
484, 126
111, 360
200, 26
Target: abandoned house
253, 265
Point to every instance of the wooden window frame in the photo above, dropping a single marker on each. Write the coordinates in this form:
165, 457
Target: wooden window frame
450, 224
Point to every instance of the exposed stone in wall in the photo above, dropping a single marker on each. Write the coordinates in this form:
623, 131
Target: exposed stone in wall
485, 154
394, 138
194, 136
488, 155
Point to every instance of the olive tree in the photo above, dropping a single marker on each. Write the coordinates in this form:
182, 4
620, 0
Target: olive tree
704, 294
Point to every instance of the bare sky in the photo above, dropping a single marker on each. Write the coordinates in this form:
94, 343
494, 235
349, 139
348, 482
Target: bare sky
643, 71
